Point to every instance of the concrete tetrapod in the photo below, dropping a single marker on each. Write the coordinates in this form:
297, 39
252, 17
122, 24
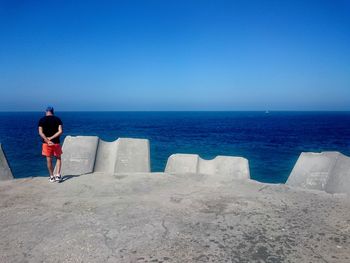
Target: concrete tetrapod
237, 167
5, 171
326, 171
87, 154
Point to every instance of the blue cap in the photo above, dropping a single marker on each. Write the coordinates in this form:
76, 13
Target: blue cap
49, 108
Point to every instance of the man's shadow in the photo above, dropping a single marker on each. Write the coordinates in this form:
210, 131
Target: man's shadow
68, 177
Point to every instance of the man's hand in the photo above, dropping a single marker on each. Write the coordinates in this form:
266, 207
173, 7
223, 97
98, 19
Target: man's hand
48, 141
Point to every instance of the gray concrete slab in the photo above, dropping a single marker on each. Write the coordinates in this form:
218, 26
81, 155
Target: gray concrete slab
133, 156
236, 167
326, 171
106, 156
339, 181
169, 218
79, 153
5, 170
87, 154
182, 163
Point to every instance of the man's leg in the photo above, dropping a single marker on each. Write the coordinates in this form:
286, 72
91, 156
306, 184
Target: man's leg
58, 165
49, 165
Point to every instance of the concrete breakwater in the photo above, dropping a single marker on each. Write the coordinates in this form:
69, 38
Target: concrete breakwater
236, 167
87, 154
197, 211
5, 171
326, 171
161, 217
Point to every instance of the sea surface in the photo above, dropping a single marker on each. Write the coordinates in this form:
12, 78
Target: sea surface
270, 141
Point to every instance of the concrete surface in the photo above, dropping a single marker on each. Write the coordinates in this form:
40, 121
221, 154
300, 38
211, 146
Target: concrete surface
339, 181
326, 171
106, 156
79, 154
169, 218
237, 167
182, 163
5, 171
133, 156
87, 154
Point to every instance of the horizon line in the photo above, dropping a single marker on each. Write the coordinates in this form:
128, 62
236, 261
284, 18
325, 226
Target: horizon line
265, 111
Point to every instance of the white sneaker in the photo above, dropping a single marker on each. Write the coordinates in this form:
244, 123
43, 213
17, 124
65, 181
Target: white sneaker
51, 179
58, 178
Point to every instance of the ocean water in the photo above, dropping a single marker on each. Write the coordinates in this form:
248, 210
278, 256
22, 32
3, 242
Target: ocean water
271, 141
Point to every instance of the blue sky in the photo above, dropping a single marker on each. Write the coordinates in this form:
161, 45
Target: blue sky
175, 55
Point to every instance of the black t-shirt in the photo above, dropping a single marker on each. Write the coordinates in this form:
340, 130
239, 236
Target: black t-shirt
50, 126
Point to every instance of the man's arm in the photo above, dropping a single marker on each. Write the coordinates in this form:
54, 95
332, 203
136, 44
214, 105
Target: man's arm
42, 135
60, 131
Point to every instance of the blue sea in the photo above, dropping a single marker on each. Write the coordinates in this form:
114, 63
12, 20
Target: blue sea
270, 141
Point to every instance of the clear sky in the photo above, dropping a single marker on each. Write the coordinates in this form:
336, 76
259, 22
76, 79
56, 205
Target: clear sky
175, 55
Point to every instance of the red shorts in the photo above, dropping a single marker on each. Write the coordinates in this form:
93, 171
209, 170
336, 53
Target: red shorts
51, 150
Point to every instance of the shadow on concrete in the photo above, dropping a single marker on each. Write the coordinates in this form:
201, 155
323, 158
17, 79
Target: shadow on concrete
68, 177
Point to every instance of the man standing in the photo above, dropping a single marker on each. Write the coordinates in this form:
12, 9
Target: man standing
50, 129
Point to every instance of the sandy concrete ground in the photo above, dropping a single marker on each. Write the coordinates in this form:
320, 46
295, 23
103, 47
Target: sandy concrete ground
169, 218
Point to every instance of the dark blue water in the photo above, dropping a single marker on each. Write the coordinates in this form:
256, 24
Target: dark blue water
271, 142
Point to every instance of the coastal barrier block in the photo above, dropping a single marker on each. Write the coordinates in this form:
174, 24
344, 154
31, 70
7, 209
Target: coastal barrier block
182, 163
235, 167
339, 181
87, 154
325, 171
106, 156
124, 155
79, 154
5, 171
133, 156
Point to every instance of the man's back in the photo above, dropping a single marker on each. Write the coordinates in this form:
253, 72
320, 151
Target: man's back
50, 126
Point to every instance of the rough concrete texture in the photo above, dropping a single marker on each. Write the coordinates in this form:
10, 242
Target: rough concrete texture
87, 154
339, 181
327, 171
5, 171
106, 156
169, 218
79, 154
182, 163
133, 156
236, 167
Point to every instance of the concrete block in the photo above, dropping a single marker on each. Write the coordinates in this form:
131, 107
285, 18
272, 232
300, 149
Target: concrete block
326, 171
182, 163
235, 167
79, 154
106, 156
312, 170
87, 154
5, 171
339, 181
133, 156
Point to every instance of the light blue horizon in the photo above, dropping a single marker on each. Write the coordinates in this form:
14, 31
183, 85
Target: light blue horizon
171, 56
